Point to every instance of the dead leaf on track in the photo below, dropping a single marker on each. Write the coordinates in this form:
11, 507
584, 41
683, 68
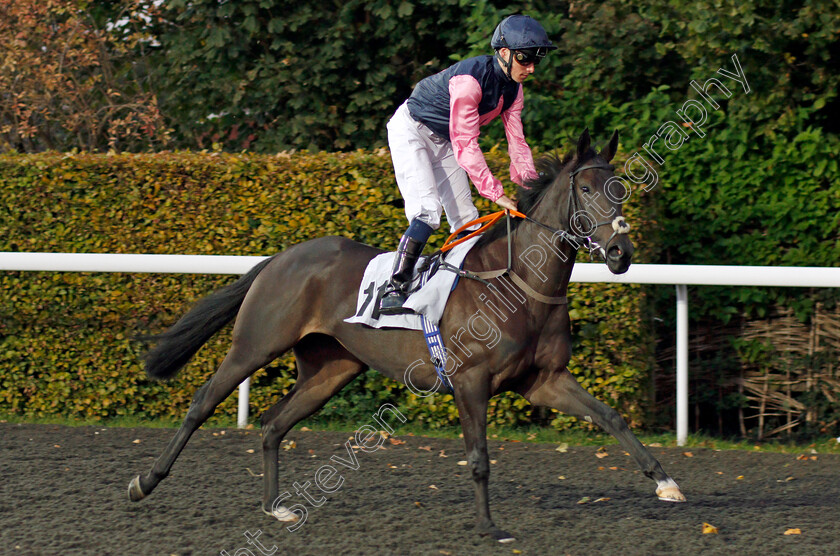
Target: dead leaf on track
709, 529
796, 531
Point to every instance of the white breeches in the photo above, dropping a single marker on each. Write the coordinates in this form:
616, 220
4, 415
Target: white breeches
429, 178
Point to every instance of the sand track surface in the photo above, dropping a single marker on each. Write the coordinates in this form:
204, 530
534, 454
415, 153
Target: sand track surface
63, 491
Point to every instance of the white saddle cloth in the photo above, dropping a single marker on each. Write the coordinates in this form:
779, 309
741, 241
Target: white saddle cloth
428, 301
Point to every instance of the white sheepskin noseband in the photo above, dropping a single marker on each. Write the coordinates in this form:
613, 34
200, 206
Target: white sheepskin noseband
620, 226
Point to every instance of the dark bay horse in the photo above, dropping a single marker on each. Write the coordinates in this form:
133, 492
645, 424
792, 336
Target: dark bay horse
299, 299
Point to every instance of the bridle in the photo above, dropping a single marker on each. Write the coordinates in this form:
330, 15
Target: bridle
573, 236
575, 206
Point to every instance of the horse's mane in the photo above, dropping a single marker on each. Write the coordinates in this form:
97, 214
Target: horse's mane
548, 167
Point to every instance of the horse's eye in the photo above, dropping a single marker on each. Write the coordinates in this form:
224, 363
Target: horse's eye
584, 188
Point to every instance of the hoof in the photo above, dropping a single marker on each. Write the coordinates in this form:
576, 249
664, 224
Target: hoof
669, 491
282, 514
497, 534
135, 493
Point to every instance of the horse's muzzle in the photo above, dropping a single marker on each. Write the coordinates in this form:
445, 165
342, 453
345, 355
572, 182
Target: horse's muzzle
619, 255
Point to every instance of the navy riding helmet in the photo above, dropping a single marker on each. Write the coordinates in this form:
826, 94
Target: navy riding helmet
521, 33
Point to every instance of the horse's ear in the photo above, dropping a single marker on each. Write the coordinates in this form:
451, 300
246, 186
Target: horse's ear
609, 151
583, 143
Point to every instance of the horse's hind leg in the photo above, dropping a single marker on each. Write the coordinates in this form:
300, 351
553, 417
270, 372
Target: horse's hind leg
235, 368
560, 390
324, 368
263, 331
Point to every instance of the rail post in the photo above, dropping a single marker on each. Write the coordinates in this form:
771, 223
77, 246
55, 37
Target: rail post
682, 364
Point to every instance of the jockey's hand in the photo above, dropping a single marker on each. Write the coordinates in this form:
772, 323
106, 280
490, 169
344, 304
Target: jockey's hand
505, 202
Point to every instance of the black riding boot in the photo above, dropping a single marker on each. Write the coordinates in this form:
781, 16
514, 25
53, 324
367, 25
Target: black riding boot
397, 292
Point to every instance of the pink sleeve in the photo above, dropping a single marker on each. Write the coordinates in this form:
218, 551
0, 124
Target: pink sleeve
521, 160
464, 96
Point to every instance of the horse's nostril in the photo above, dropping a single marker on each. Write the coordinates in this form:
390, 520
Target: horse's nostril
614, 252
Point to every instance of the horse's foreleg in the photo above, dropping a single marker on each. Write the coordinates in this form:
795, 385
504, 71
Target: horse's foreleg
472, 398
334, 367
233, 370
560, 390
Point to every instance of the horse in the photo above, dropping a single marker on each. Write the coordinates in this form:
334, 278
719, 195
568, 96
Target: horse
298, 299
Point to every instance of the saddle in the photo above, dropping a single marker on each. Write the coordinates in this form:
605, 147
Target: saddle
432, 283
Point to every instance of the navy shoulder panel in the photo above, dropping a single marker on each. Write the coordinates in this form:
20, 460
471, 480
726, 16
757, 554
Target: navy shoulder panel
429, 102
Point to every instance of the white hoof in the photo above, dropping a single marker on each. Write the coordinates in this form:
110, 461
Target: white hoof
669, 491
135, 493
283, 514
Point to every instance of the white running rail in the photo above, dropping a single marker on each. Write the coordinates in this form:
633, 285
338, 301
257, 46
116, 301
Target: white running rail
678, 275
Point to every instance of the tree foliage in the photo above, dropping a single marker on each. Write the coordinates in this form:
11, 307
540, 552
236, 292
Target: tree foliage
66, 83
269, 75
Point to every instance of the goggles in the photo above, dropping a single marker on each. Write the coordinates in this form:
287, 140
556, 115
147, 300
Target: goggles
529, 56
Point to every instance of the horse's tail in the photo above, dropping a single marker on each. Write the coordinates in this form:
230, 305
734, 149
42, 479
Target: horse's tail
178, 344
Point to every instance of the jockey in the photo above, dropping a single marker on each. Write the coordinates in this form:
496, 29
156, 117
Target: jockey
433, 137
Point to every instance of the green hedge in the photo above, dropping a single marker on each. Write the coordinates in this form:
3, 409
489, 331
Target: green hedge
65, 338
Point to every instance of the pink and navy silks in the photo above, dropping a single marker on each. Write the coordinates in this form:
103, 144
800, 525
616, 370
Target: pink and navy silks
456, 102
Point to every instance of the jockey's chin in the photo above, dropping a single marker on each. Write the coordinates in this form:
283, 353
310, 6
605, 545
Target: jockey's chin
521, 73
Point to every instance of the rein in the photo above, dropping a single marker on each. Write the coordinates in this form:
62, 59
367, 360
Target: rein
618, 224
